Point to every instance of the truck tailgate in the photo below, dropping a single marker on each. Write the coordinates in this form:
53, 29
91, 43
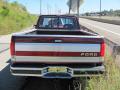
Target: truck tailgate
58, 49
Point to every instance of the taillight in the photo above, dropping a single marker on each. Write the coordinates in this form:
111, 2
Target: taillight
102, 50
12, 47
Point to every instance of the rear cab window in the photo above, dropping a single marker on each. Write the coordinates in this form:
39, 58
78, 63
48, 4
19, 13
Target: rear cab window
56, 22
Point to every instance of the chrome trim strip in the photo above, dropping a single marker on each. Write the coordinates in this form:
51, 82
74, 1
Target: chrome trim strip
100, 68
92, 75
37, 59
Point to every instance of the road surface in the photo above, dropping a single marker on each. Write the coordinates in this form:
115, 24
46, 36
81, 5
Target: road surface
7, 81
4, 42
109, 31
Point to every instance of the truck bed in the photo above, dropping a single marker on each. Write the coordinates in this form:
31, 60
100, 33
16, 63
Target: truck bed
61, 32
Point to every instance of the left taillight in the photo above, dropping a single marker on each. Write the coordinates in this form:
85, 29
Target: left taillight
12, 47
102, 51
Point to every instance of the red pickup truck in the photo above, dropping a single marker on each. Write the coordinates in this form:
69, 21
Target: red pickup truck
58, 47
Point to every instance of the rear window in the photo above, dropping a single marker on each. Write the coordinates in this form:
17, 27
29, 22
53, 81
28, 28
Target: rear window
58, 23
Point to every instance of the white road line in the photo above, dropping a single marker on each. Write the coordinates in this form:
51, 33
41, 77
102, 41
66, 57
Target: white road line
101, 28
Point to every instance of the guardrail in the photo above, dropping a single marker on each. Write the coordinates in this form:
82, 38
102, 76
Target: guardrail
116, 22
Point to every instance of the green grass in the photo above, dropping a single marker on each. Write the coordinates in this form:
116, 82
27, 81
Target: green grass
110, 81
14, 17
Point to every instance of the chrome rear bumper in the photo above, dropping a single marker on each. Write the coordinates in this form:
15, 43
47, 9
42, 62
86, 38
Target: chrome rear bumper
75, 72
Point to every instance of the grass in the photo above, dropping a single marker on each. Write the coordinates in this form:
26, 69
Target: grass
14, 17
110, 81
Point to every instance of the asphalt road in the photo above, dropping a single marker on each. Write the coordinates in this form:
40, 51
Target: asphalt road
109, 31
3, 47
4, 42
46, 84
7, 81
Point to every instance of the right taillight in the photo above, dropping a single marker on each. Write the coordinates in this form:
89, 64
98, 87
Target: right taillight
12, 47
102, 50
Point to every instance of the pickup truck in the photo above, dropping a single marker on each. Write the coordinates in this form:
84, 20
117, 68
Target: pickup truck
57, 47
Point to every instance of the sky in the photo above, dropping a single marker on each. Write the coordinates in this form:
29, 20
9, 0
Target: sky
60, 6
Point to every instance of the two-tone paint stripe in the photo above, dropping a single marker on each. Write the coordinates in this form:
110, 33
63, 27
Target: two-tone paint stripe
58, 54
40, 39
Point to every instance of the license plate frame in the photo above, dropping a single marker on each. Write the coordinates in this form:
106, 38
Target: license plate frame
57, 70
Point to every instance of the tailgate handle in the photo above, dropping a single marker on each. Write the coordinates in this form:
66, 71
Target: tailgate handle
57, 41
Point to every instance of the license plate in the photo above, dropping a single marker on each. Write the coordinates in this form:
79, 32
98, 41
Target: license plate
57, 69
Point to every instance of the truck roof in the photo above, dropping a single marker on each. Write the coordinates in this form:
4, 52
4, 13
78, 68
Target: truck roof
72, 16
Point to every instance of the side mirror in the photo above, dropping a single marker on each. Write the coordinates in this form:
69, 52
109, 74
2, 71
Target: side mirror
34, 26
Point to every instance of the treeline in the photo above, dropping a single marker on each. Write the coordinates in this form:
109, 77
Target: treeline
14, 17
111, 12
